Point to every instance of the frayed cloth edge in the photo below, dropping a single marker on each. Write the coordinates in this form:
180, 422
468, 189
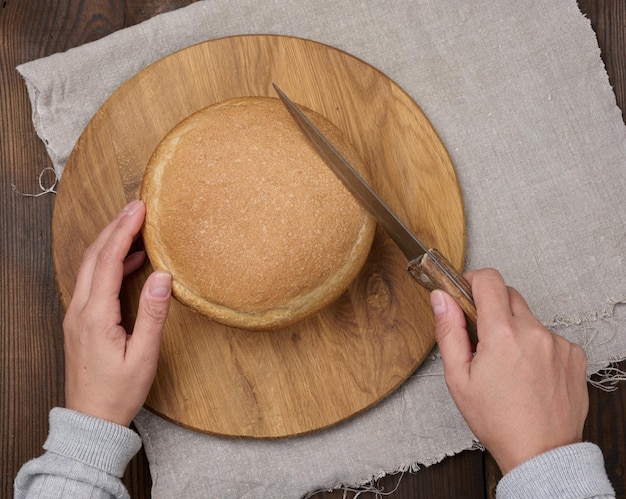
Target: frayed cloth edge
58, 162
607, 378
602, 373
369, 485
605, 312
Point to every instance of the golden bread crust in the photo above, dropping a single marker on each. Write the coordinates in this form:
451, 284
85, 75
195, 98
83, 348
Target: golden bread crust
255, 229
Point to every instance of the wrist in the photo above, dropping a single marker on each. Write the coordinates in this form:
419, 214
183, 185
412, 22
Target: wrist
510, 459
112, 414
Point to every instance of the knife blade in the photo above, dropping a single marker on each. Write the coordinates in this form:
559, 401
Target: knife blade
427, 266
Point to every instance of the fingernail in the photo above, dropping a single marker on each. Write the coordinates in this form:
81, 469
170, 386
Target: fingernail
132, 207
160, 285
438, 302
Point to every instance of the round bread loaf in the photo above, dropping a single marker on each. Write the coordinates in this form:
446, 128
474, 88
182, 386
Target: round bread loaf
256, 230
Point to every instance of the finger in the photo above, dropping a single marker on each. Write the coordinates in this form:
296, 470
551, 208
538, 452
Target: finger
134, 262
470, 274
518, 305
452, 338
491, 297
144, 344
109, 266
88, 263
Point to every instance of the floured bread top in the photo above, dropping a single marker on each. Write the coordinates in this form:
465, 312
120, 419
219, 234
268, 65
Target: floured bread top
255, 229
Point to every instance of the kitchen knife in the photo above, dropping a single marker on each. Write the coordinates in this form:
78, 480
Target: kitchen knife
427, 266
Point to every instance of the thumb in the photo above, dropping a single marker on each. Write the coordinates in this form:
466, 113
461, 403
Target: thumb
154, 303
451, 335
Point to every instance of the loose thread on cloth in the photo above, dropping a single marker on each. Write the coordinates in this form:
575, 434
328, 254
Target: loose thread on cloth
602, 375
608, 311
372, 488
44, 190
607, 379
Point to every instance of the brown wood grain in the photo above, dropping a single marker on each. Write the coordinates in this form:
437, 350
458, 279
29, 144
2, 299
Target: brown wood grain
31, 359
345, 358
608, 20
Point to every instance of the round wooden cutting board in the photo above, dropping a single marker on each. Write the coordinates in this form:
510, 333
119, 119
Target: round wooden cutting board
351, 355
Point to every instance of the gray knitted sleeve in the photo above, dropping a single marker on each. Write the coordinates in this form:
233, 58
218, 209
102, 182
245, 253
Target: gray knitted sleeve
572, 471
85, 457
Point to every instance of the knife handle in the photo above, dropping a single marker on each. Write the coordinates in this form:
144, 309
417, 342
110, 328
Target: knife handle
427, 273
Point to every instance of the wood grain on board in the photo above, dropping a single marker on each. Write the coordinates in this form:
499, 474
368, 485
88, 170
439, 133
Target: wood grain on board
31, 338
352, 354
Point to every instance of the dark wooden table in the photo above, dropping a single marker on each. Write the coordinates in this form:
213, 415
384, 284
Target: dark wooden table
31, 344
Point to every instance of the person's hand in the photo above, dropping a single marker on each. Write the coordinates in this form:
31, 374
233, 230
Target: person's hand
524, 392
108, 372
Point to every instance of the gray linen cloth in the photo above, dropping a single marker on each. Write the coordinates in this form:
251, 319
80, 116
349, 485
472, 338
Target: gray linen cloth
519, 95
